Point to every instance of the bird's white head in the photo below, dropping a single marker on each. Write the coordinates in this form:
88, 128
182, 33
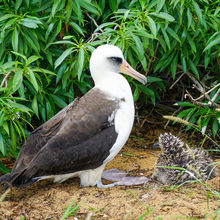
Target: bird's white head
109, 59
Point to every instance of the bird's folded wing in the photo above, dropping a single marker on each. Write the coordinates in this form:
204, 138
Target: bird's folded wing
81, 140
39, 137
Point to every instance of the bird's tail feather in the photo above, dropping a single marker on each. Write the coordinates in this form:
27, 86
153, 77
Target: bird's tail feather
21, 180
5, 178
5, 181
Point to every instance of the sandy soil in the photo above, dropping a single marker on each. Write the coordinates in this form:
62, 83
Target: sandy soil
151, 200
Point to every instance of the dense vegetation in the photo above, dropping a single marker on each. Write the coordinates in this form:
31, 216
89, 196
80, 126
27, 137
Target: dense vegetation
45, 48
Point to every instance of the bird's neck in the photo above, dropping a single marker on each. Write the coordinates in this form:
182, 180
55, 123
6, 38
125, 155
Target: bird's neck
115, 85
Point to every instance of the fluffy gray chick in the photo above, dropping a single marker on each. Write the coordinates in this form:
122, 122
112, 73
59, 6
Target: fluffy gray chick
196, 162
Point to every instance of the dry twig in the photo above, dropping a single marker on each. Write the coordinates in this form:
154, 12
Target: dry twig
206, 93
201, 89
5, 80
177, 80
94, 21
210, 103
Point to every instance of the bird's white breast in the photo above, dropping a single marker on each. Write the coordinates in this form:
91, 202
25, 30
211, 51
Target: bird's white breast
118, 88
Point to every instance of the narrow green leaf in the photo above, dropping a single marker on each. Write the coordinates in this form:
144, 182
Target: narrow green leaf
146, 90
160, 4
198, 10
193, 68
166, 38
205, 123
34, 106
152, 26
55, 6
188, 104
17, 80
80, 62
2, 147
191, 42
15, 40
21, 91
31, 59
138, 46
68, 11
28, 23
163, 15
136, 94
151, 79
143, 33
49, 111
215, 127
173, 34
20, 107
42, 111
6, 127
76, 8
13, 136
4, 17
105, 25
33, 79
217, 11
20, 55
184, 113
76, 27
189, 18
66, 53
213, 43
49, 29
58, 101
173, 66
34, 37
63, 42
162, 43
30, 42
183, 62
41, 70
60, 72
18, 4
206, 59
59, 27
183, 36
27, 3
113, 5
8, 24
90, 7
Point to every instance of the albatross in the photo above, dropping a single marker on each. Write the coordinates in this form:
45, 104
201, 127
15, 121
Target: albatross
88, 133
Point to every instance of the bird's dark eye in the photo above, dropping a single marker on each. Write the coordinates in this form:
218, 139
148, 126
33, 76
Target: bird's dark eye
117, 60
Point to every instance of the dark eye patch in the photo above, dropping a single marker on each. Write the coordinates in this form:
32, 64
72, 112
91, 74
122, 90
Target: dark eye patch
117, 60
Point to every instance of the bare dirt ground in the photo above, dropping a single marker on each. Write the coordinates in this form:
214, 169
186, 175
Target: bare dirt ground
45, 200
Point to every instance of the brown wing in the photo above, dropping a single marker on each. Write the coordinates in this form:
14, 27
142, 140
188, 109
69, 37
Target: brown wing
76, 139
39, 137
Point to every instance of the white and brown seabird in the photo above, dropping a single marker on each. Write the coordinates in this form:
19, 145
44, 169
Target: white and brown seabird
83, 137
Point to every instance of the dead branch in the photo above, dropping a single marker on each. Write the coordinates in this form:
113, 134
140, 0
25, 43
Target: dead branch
5, 80
201, 89
190, 75
216, 86
94, 21
210, 104
177, 80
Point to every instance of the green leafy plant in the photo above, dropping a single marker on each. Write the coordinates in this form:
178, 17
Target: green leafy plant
202, 115
20, 80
